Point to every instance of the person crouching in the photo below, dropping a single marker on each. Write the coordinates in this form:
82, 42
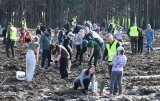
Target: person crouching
84, 79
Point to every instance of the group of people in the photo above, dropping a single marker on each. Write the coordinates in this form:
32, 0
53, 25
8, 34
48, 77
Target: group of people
137, 37
88, 42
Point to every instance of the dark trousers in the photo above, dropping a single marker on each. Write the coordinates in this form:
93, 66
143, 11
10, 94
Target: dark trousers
77, 83
95, 55
115, 84
46, 54
10, 44
140, 45
134, 44
63, 67
78, 47
59, 41
83, 50
4, 40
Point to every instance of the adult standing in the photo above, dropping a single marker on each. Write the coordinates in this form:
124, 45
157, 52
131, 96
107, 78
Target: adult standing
133, 34
104, 25
23, 23
4, 35
118, 35
74, 20
140, 41
66, 27
38, 31
78, 42
10, 39
61, 36
45, 41
110, 53
149, 38
110, 27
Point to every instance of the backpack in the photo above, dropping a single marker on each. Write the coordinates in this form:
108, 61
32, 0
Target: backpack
98, 41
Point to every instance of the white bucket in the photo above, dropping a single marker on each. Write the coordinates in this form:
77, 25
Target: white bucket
95, 86
20, 75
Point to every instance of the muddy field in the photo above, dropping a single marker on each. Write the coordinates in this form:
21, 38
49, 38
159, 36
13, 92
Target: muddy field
141, 81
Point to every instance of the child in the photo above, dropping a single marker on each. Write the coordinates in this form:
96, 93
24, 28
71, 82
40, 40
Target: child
28, 37
84, 79
118, 63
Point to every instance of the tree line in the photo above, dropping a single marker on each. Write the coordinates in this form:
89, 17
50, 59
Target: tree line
53, 13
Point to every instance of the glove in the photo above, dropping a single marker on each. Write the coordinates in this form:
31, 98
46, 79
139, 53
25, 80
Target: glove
41, 51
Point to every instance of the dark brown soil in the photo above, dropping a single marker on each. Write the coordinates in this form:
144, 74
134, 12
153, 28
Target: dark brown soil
141, 81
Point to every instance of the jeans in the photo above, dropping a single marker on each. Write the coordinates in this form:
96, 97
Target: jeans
116, 76
83, 50
149, 47
10, 44
95, 55
63, 67
134, 44
110, 74
78, 47
77, 83
46, 54
30, 65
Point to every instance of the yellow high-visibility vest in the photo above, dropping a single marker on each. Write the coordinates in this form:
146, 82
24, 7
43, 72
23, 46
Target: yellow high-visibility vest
23, 23
133, 31
13, 33
111, 50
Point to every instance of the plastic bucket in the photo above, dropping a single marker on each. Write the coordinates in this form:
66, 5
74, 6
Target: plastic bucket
95, 86
20, 75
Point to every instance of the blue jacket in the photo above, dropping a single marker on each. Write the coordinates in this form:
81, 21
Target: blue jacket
149, 35
45, 41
